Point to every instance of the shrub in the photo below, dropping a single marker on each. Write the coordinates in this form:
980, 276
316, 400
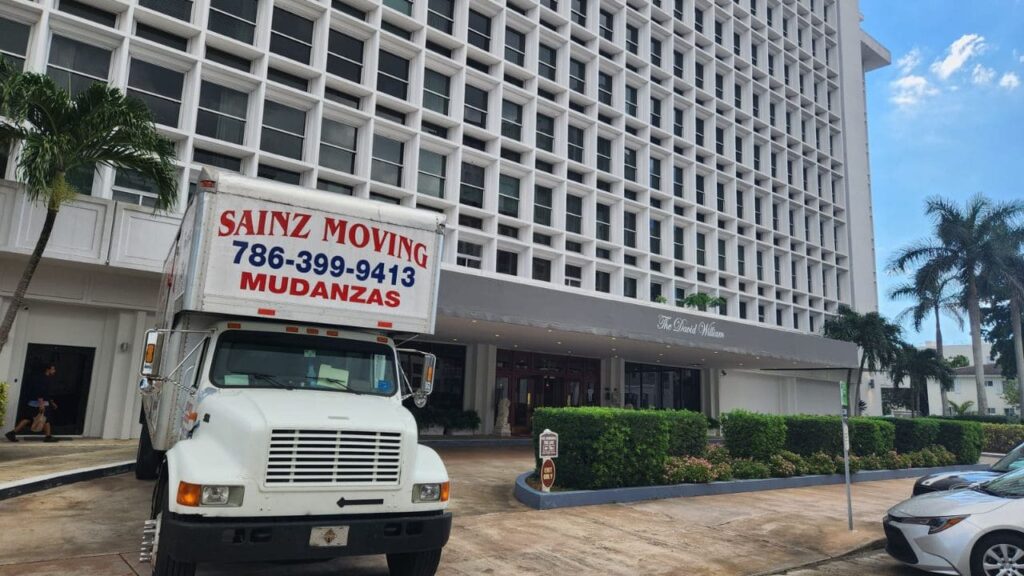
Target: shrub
780, 467
871, 436
750, 435
913, 434
961, 438
647, 438
462, 420
984, 418
870, 462
592, 444
718, 454
856, 463
796, 460
747, 469
688, 433
820, 463
943, 457
721, 471
689, 470
806, 435
895, 461
999, 438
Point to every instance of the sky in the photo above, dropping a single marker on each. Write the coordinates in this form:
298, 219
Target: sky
945, 118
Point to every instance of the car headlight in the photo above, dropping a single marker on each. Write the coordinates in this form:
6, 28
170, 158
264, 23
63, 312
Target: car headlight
935, 524
209, 494
435, 492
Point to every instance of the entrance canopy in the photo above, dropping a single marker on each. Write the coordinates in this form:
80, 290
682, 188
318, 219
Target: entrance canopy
514, 314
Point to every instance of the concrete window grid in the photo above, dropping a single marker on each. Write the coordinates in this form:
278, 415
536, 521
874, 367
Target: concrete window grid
656, 25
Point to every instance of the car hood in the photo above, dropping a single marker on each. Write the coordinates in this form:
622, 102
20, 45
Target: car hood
953, 503
956, 479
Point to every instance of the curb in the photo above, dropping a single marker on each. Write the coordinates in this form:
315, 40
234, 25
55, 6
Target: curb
875, 544
546, 501
47, 481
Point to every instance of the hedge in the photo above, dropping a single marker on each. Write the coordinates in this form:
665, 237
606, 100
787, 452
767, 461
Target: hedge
1002, 438
871, 437
807, 435
751, 435
964, 439
612, 447
915, 434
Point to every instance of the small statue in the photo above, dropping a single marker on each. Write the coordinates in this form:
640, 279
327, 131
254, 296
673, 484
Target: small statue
504, 428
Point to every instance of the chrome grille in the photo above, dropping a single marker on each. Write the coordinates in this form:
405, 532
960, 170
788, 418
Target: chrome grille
333, 457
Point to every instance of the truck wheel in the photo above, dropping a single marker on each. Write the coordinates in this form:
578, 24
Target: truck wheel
147, 460
414, 563
163, 564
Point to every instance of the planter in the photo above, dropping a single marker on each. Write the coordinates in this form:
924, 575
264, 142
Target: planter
541, 501
435, 430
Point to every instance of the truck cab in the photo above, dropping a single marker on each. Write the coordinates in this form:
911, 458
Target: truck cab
281, 439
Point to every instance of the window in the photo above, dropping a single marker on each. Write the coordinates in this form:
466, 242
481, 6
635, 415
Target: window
698, 129
476, 107
741, 260
291, 36
577, 75
508, 196
607, 24
284, 130
75, 65
436, 90
511, 120
739, 204
573, 214
515, 46
345, 56
603, 217
388, 159
678, 243
602, 281
545, 132
655, 173
604, 88
629, 287
334, 187
507, 263
655, 52
433, 167
575, 143
631, 100
579, 12
629, 229
655, 236
701, 250
547, 58
573, 276
677, 182
134, 188
13, 42
698, 20
88, 12
441, 14
721, 254
542, 269
760, 265
338, 145
720, 140
629, 163
604, 154
280, 174
393, 75
471, 192
159, 88
222, 113
479, 30
200, 156
633, 39
180, 9
469, 255
234, 18
542, 205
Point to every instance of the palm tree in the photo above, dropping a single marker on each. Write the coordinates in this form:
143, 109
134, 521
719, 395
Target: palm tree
969, 247
877, 338
60, 133
918, 366
702, 301
961, 409
1008, 286
931, 296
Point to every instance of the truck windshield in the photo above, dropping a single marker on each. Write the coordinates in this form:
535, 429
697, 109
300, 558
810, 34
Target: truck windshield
246, 359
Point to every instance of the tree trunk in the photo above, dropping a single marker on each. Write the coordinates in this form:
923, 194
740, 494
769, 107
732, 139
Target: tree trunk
30, 269
855, 392
943, 392
1018, 348
974, 314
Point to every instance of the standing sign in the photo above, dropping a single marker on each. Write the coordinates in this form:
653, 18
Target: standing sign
548, 450
845, 403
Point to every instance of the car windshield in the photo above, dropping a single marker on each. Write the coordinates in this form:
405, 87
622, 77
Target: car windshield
1014, 460
1007, 486
246, 359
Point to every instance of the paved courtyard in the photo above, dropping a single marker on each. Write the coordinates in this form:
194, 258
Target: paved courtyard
92, 528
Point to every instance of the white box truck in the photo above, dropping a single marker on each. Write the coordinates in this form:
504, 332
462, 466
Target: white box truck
272, 389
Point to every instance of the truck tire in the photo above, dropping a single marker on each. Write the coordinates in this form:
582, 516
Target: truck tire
147, 459
414, 563
163, 564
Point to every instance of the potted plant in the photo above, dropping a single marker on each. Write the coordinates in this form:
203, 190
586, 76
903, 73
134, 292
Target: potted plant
429, 420
462, 422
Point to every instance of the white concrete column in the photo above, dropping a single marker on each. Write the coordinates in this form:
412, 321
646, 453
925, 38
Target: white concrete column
481, 360
121, 392
613, 380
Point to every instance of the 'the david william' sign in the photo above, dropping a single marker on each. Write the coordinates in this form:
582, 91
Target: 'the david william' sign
703, 328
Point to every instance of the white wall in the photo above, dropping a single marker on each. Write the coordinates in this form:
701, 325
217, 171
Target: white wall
777, 394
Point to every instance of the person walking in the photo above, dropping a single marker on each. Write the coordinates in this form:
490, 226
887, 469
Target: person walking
39, 388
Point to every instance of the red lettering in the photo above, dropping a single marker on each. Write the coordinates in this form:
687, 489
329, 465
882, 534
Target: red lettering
319, 290
339, 292
278, 221
300, 230
380, 237
375, 297
392, 299
300, 287
278, 284
359, 236
255, 282
227, 223
245, 223
335, 230
419, 254
357, 294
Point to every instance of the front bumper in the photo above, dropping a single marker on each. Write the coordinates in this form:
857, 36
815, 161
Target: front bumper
197, 539
912, 545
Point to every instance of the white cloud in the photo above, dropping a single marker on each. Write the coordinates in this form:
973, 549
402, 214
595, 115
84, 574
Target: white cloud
959, 52
1009, 81
909, 90
909, 61
982, 75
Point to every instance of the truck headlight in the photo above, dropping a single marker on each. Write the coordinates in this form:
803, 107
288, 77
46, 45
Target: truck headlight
436, 492
209, 494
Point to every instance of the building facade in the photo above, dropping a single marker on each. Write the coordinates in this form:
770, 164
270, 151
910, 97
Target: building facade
598, 162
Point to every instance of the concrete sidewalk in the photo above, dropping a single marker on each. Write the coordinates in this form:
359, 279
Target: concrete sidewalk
30, 457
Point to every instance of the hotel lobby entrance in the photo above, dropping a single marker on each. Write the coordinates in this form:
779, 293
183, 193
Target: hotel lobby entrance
530, 380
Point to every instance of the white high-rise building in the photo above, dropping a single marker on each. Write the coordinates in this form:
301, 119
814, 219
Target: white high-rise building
598, 161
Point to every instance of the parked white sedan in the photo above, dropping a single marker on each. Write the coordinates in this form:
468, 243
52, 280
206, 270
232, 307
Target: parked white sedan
977, 531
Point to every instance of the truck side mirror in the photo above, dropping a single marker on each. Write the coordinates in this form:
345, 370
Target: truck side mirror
151, 355
427, 381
